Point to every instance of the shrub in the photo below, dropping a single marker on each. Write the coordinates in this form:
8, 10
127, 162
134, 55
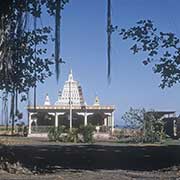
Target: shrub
120, 134
55, 133
82, 134
25, 131
87, 133
153, 136
20, 128
73, 135
104, 129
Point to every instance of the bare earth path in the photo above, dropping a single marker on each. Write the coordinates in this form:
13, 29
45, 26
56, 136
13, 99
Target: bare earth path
96, 175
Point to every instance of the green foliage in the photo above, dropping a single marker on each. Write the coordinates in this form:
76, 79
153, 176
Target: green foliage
29, 67
55, 133
73, 135
82, 134
23, 61
120, 134
151, 137
87, 133
154, 127
150, 123
22, 46
20, 128
134, 118
25, 131
104, 129
161, 48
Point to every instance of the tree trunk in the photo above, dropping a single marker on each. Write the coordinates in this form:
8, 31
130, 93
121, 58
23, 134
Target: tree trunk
12, 113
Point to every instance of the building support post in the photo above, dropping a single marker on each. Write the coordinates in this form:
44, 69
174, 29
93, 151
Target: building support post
105, 121
85, 114
112, 122
29, 124
85, 119
56, 120
174, 128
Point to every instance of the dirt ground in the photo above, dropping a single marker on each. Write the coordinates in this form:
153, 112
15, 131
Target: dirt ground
104, 161
72, 174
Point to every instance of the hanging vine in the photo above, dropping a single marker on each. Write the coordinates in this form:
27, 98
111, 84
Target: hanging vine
109, 32
57, 36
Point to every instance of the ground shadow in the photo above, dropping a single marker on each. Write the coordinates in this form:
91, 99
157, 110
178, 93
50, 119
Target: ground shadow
94, 157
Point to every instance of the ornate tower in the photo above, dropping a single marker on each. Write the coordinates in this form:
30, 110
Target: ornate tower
71, 91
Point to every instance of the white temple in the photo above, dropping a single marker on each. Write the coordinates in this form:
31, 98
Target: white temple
71, 110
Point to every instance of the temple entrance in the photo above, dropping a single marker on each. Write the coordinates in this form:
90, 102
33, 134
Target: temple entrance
100, 120
77, 120
44, 119
41, 122
97, 119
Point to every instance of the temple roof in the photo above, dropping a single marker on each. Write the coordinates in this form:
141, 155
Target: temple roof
71, 93
75, 107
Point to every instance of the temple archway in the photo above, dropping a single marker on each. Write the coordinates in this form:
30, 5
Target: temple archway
44, 119
77, 120
97, 119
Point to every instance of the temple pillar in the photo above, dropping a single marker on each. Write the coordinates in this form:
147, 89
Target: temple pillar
56, 118
85, 119
174, 128
85, 114
29, 123
105, 121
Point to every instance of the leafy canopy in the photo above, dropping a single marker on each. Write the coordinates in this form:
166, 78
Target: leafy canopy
163, 49
23, 45
134, 118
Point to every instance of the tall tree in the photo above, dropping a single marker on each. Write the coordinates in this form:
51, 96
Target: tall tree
149, 122
22, 65
134, 118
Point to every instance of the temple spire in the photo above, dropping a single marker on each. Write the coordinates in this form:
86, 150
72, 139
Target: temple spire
70, 77
47, 101
96, 102
71, 90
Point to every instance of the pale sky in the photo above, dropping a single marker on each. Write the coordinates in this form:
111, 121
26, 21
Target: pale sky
83, 47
